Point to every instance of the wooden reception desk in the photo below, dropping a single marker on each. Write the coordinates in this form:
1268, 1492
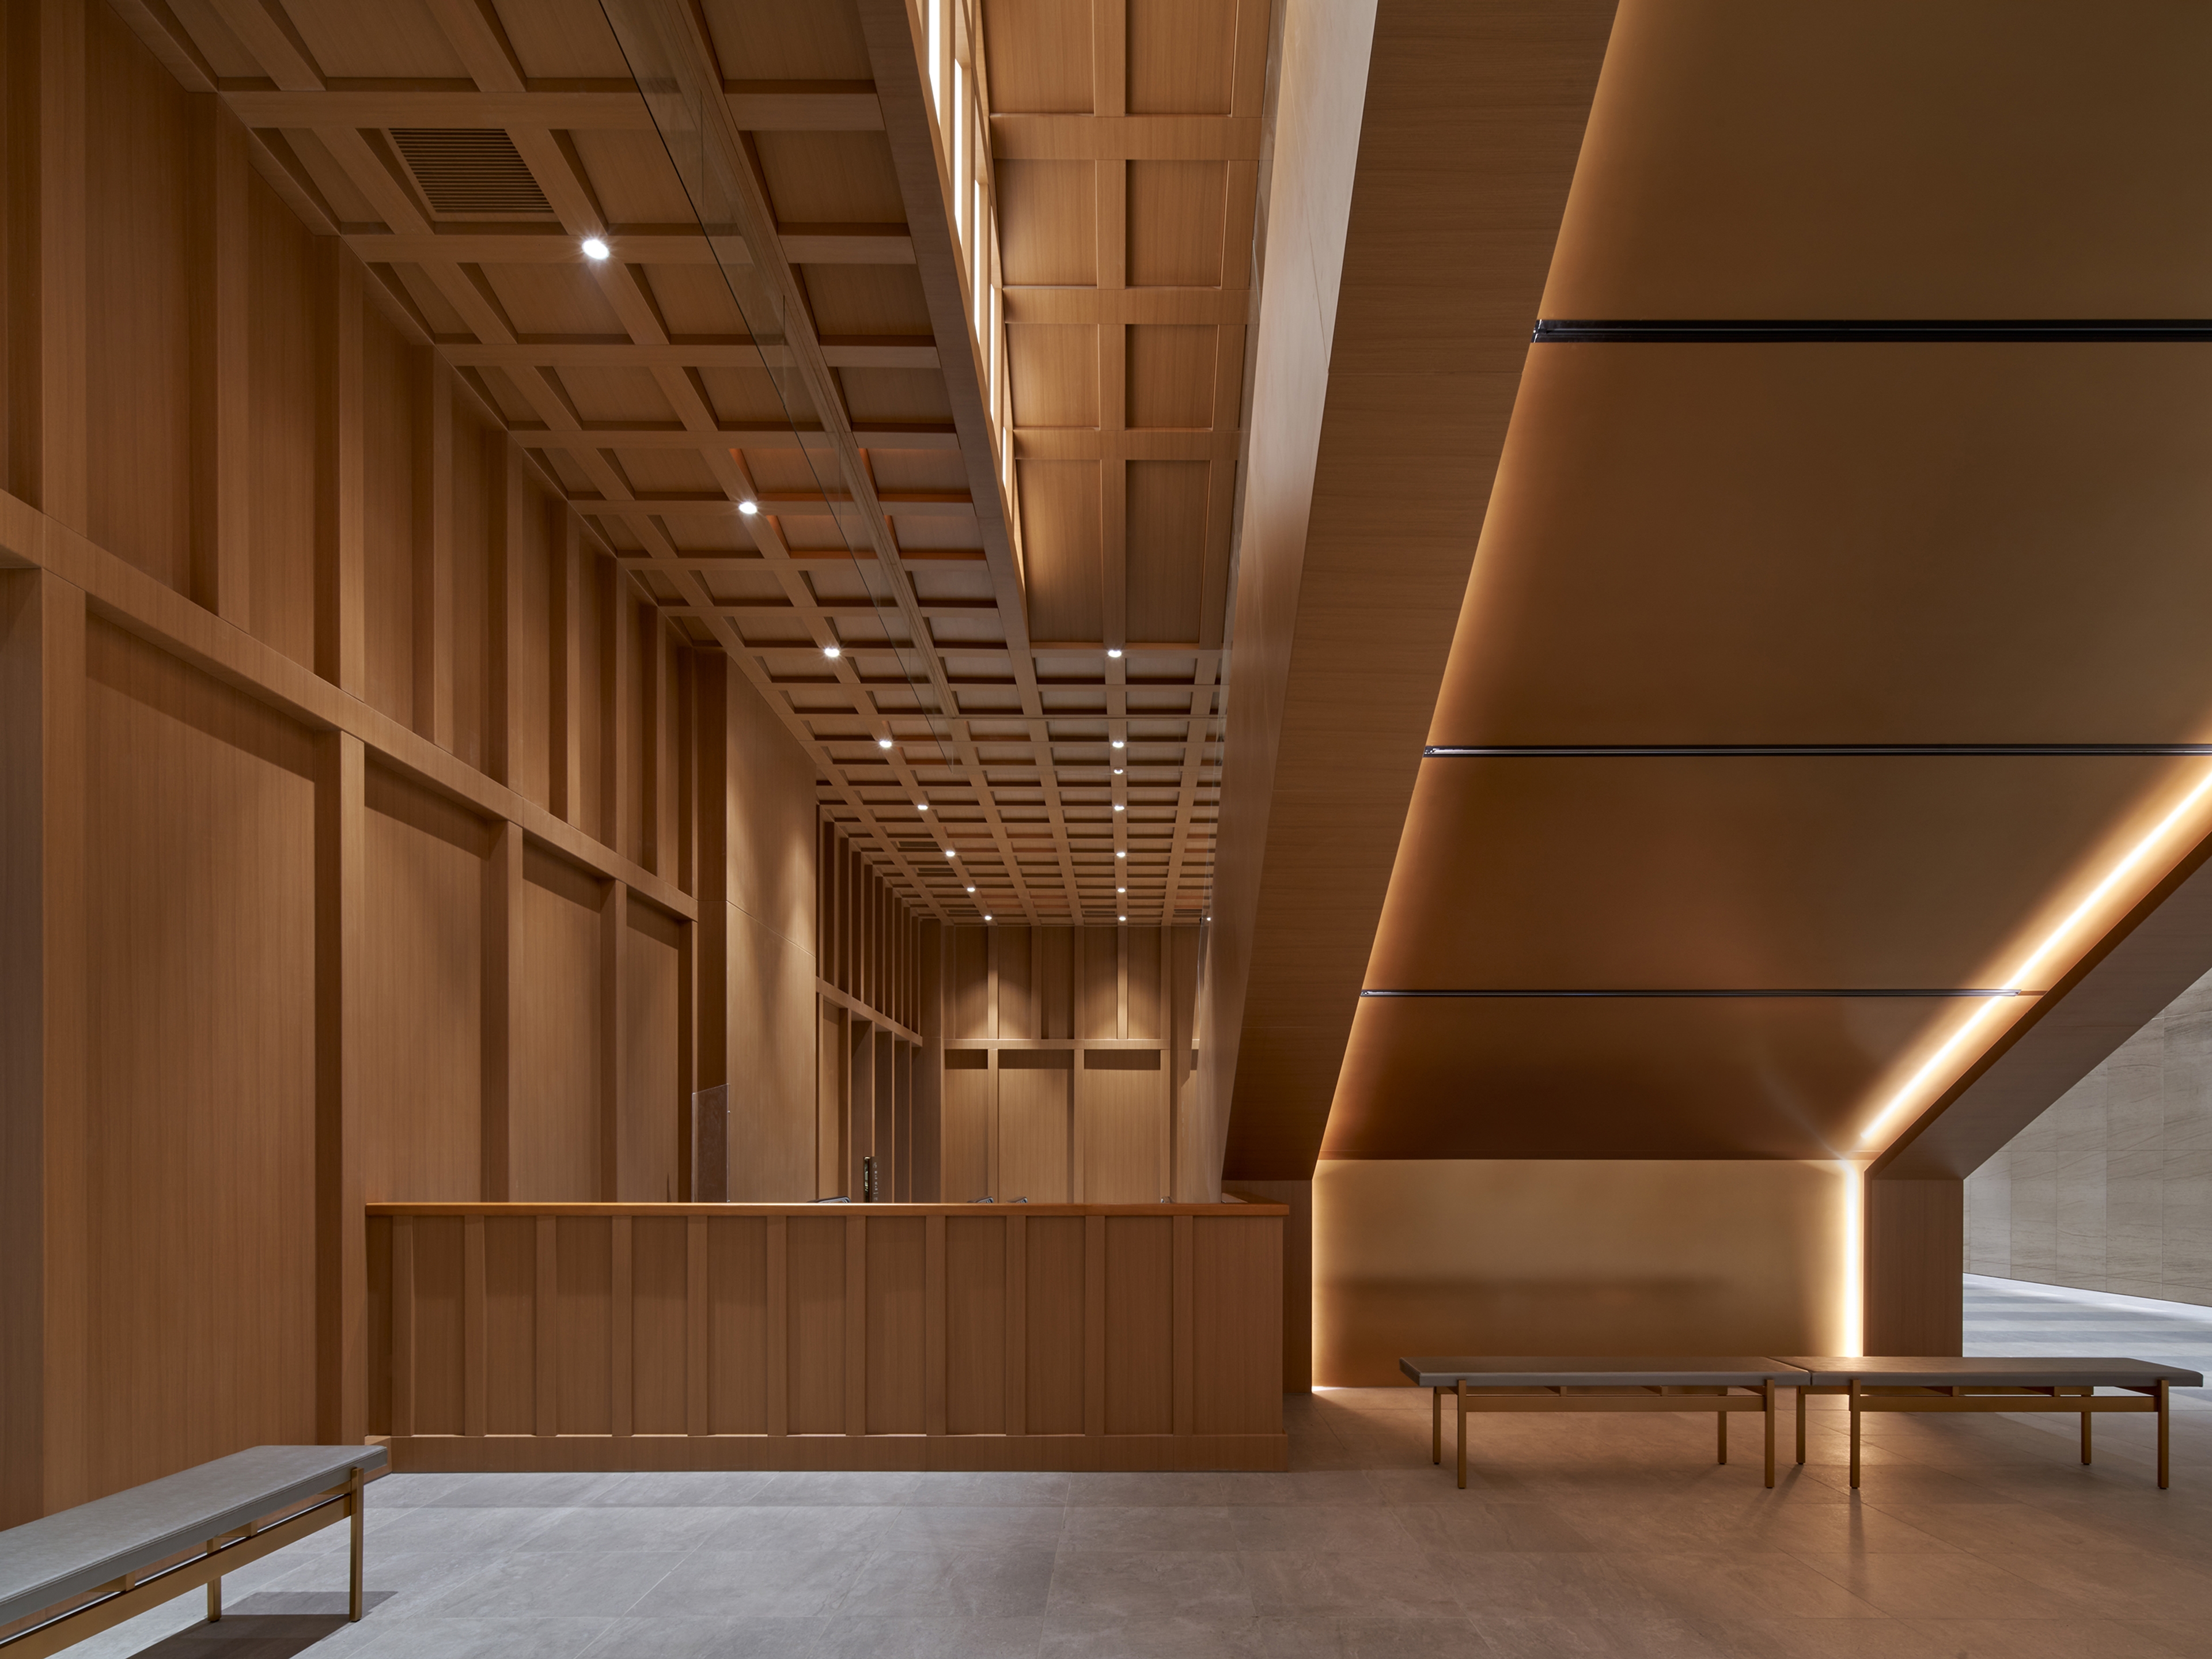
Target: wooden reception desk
862, 1336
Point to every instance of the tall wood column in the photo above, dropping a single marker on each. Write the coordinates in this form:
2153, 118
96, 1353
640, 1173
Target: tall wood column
341, 1270
43, 1332
1915, 1246
711, 728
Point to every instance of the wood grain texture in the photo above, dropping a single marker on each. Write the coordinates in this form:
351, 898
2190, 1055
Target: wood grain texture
1054, 1337
1313, 802
44, 1054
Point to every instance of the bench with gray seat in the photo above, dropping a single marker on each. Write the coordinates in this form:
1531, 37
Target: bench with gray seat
1924, 1382
1577, 1383
78, 1572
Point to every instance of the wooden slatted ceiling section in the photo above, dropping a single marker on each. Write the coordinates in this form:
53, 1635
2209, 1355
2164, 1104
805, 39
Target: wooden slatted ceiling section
637, 387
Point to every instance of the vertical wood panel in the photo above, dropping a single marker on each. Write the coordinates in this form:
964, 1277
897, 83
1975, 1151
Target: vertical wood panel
1237, 1342
502, 1024
341, 809
1137, 1305
816, 1281
48, 420
1056, 1325
221, 251
697, 1334
510, 1322
584, 1325
422, 995
340, 652
614, 1057
658, 1309
934, 1317
896, 1298
546, 1326
434, 538
475, 1328
1017, 1325
857, 1367
775, 1348
402, 1325
44, 965
621, 1338
1094, 1324
736, 1268
441, 1324
1185, 1314
977, 1348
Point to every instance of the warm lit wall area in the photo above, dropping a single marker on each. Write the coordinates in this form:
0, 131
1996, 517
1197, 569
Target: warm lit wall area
1596, 1257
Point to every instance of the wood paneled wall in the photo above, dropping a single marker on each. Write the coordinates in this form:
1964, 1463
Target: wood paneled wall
892, 1336
360, 822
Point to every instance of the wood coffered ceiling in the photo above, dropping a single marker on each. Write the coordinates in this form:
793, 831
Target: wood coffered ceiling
1121, 172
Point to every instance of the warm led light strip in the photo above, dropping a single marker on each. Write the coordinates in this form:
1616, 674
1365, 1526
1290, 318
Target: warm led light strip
2018, 982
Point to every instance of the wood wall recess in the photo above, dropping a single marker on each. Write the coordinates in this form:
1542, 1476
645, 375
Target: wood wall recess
885, 1336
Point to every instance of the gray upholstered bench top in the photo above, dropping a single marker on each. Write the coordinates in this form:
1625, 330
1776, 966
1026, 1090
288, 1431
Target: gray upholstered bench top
1920, 1371
43, 1562
1582, 1371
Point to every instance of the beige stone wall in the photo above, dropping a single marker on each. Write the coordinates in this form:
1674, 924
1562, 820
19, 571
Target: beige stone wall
2110, 1189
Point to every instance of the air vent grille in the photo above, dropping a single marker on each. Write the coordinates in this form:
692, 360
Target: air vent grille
471, 171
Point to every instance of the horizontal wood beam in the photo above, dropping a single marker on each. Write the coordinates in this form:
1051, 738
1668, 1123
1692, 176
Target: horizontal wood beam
1126, 138
843, 351
615, 107
807, 245
1230, 306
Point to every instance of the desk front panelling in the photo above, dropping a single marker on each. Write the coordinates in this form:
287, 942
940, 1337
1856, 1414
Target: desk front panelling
882, 1336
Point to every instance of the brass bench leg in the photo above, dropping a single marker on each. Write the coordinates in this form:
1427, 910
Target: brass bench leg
1854, 1434
1802, 1392
1461, 1392
2085, 1433
1720, 1417
2161, 1434
1436, 1426
352, 1511
1767, 1410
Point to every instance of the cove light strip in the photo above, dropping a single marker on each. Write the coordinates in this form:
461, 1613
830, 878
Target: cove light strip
2018, 982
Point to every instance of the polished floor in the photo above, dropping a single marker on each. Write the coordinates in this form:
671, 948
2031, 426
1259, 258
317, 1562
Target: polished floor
1575, 1537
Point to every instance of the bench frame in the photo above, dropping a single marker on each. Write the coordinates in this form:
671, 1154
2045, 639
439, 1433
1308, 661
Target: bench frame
1646, 1397
1992, 1397
132, 1594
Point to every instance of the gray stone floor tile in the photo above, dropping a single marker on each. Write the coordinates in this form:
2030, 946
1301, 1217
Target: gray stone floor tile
1092, 1587
846, 1637
1331, 1529
682, 1638
1172, 1636
519, 1490
1015, 1488
791, 1583
862, 1487
1190, 1527
966, 1526
1408, 1584
801, 1526
558, 1584
993, 1582
681, 1488
627, 1527
489, 1638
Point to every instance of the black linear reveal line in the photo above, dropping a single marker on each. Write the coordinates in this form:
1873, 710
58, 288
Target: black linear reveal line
1775, 995
1794, 750
1716, 332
